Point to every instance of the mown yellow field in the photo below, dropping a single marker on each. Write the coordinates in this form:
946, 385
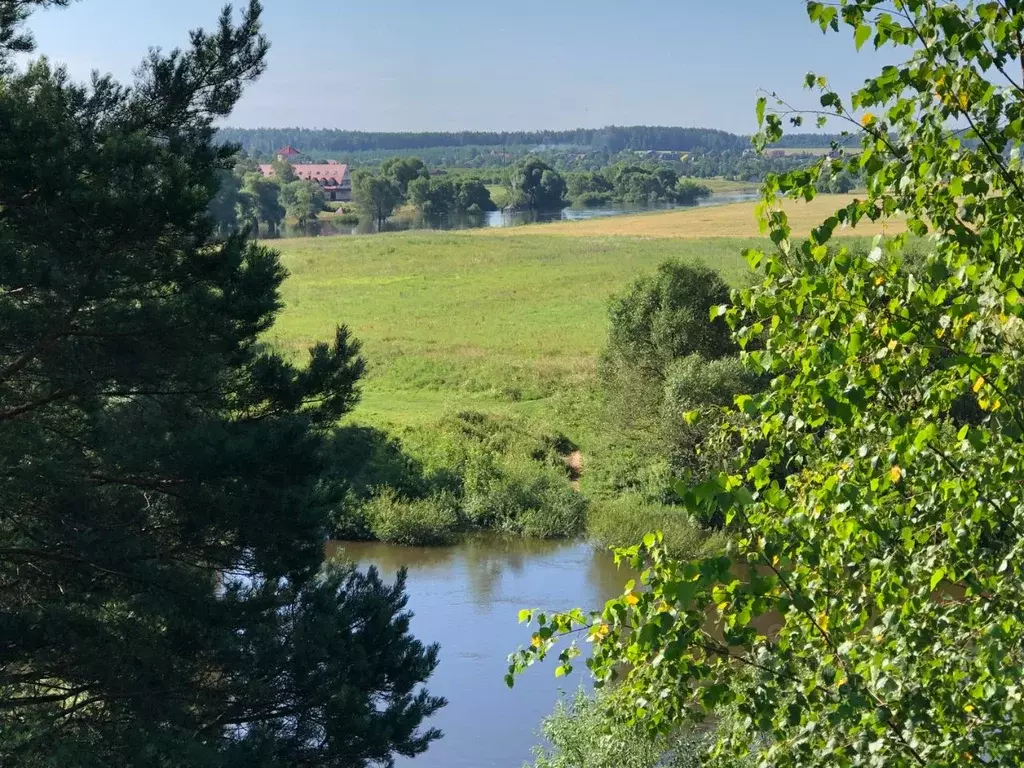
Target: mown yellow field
736, 220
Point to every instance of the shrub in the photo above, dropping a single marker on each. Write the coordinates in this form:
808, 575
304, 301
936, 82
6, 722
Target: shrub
503, 476
592, 199
689, 192
693, 382
623, 522
665, 316
580, 734
434, 520
523, 497
664, 357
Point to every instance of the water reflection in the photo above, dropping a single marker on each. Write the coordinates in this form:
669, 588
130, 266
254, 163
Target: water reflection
467, 598
406, 220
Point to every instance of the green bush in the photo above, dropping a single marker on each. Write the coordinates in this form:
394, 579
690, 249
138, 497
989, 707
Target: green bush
580, 734
698, 448
694, 382
623, 522
665, 316
592, 199
494, 472
434, 520
522, 497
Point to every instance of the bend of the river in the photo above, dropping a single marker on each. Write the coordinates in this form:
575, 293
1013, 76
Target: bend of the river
467, 598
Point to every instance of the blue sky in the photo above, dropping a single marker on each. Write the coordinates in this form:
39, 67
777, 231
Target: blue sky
455, 64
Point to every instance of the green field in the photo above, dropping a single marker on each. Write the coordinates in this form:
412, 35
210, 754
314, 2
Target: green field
482, 349
450, 320
482, 352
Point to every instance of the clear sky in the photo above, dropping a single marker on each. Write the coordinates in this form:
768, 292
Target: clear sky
407, 65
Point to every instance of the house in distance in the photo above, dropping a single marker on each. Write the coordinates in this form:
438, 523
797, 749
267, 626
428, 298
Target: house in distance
332, 176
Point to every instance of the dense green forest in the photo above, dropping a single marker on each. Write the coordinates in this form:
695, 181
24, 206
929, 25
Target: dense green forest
609, 139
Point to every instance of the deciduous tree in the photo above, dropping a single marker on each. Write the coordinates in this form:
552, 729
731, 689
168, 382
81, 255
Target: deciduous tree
261, 203
535, 186
303, 200
376, 195
404, 170
871, 611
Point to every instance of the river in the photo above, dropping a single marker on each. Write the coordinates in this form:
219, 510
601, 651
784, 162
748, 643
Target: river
405, 220
467, 598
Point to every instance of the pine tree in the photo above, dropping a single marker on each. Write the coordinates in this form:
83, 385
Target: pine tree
163, 501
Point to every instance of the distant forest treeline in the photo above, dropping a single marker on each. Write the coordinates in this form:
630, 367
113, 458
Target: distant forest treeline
611, 139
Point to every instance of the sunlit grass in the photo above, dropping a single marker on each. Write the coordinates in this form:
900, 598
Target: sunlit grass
452, 317
737, 220
505, 321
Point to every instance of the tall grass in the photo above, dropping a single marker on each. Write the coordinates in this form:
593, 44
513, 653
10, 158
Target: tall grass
623, 521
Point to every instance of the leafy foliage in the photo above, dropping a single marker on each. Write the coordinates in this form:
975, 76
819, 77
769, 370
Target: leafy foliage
664, 316
163, 598
622, 521
377, 196
260, 202
429, 521
403, 171
870, 611
667, 377
535, 186
579, 734
302, 200
633, 183
440, 196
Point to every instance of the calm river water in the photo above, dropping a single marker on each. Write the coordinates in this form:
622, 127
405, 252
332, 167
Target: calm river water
467, 598
508, 218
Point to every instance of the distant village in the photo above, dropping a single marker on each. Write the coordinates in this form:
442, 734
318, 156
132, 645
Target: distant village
333, 177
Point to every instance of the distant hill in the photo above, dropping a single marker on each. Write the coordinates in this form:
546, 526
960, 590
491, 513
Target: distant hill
608, 139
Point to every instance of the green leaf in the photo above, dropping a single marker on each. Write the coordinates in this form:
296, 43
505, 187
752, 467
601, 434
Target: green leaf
937, 576
762, 102
860, 36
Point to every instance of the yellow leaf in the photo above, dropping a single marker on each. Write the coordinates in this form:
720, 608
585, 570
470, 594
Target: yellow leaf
867, 119
879, 280
968, 708
535, 641
895, 474
823, 621
632, 599
979, 384
963, 100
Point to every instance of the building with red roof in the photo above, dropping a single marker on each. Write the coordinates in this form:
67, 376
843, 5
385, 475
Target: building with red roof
333, 177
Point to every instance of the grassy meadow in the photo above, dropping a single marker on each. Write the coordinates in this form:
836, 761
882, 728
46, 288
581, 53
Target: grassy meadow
450, 319
703, 224
504, 325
